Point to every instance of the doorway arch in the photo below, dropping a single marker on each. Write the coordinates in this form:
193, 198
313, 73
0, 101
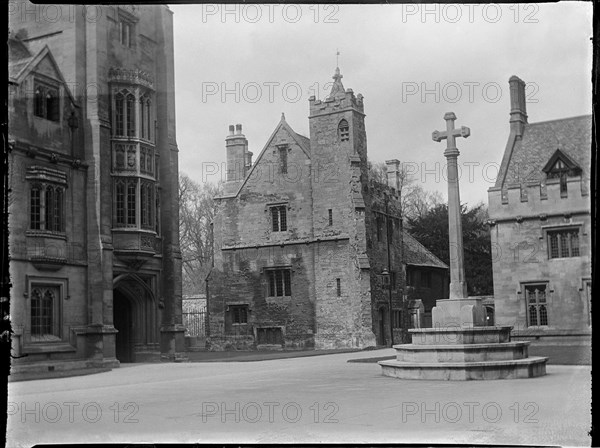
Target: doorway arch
136, 318
123, 322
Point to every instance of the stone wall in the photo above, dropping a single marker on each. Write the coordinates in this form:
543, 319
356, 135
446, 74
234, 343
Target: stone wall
520, 219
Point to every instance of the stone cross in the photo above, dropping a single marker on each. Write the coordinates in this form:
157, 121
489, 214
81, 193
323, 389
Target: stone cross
458, 284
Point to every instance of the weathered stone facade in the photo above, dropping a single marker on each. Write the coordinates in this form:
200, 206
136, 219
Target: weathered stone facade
95, 262
300, 239
541, 227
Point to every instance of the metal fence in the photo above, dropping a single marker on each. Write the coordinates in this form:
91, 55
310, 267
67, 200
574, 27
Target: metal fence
195, 323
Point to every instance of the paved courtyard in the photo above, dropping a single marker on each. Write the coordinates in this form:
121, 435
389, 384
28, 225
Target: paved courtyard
298, 400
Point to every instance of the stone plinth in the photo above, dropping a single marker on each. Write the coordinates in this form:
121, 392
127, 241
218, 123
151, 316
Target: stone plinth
463, 353
466, 312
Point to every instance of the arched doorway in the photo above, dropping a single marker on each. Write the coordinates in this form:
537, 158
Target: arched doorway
123, 322
136, 316
381, 325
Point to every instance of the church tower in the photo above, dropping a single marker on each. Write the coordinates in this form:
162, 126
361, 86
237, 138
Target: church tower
338, 156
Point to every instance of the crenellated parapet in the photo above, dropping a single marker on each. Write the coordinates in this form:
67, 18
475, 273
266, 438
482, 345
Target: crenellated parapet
539, 198
336, 103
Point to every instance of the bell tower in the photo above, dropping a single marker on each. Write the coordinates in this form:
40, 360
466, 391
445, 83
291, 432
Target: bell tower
338, 150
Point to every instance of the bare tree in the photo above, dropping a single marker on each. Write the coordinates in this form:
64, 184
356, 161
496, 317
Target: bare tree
196, 213
416, 201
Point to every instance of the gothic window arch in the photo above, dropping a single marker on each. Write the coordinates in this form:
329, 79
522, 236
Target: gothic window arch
146, 117
343, 131
125, 114
46, 101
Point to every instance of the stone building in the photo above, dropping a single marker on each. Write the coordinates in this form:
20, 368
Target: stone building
541, 229
302, 238
93, 215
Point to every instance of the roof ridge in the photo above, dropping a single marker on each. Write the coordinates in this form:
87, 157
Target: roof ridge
559, 119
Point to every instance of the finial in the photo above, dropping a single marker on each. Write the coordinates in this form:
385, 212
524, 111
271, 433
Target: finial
282, 116
337, 57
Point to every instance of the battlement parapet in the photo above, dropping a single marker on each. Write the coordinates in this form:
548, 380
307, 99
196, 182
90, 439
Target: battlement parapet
537, 197
337, 102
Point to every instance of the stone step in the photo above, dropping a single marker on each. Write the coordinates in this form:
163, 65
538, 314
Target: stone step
455, 335
461, 352
461, 371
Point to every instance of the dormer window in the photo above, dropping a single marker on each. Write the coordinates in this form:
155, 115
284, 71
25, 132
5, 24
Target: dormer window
343, 131
46, 102
561, 166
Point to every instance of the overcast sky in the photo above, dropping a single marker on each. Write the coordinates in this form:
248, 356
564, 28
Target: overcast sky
412, 63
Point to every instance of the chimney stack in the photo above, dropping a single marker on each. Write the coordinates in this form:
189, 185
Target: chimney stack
393, 173
518, 108
237, 154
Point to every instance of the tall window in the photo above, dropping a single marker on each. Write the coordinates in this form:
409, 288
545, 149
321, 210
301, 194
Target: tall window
330, 211
338, 286
283, 159
46, 102
563, 243
343, 131
396, 318
535, 299
280, 283
125, 111
147, 204
131, 196
125, 200
119, 114
120, 202
130, 117
126, 32
44, 321
49, 206
279, 218
36, 208
145, 119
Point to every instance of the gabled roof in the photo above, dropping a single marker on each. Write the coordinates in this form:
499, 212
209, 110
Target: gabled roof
301, 141
529, 155
18, 56
569, 163
416, 254
21, 62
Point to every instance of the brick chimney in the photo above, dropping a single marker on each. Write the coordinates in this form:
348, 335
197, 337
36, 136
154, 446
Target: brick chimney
237, 154
518, 108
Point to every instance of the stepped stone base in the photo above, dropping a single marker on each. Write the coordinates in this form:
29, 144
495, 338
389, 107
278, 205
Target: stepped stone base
467, 353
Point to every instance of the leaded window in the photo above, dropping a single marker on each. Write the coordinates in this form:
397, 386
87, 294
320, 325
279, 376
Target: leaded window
537, 305
239, 314
44, 316
563, 243
280, 283
47, 209
279, 218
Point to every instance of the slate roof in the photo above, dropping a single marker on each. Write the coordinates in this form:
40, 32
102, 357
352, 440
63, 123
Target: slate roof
573, 136
18, 57
304, 141
418, 255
